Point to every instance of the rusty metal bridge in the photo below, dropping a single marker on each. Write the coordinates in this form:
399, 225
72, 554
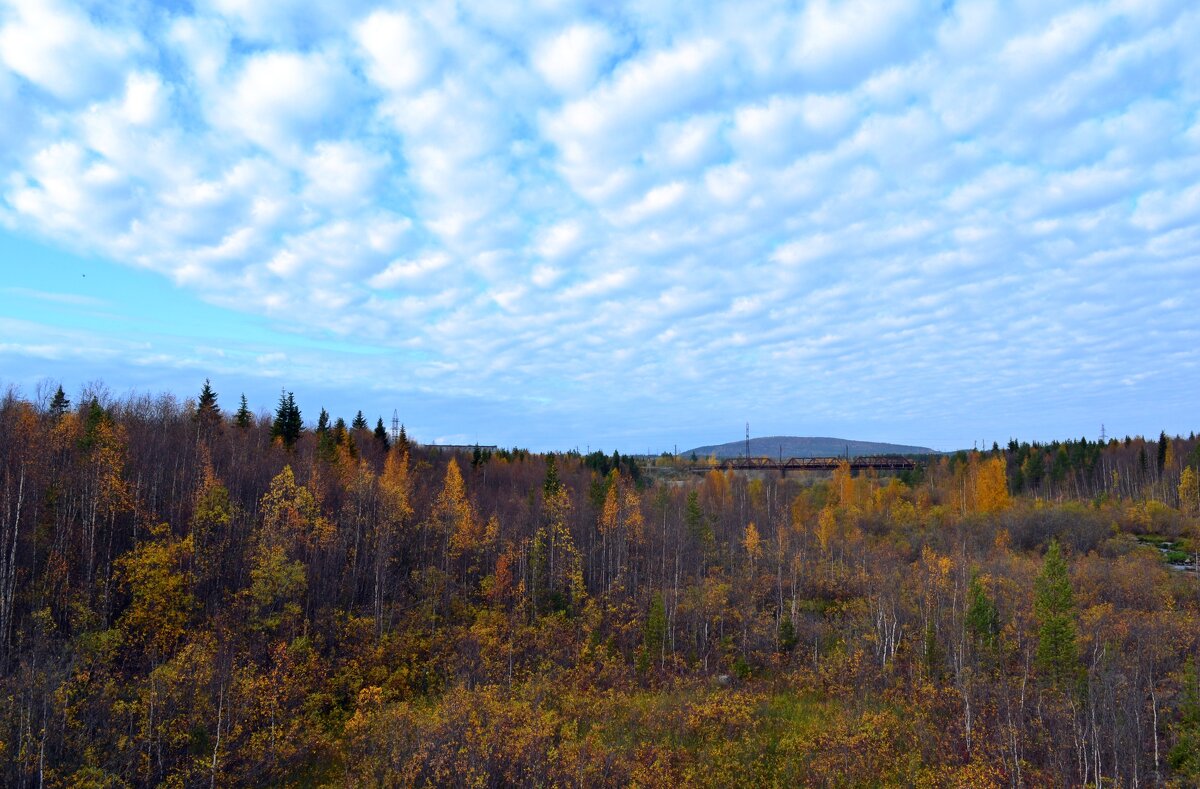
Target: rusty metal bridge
783, 466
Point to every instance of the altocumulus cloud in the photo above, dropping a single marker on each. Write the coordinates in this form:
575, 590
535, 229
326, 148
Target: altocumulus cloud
929, 210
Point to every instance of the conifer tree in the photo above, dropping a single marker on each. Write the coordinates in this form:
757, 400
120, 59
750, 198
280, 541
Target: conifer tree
208, 413
207, 404
323, 421
243, 417
1054, 605
1184, 757
787, 634
552, 485
360, 422
60, 403
381, 435
287, 425
982, 620
654, 634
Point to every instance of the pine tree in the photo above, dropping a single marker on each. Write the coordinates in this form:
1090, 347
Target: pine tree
1054, 605
552, 485
243, 418
60, 403
654, 635
208, 400
360, 422
787, 634
381, 435
983, 620
208, 413
1184, 757
287, 425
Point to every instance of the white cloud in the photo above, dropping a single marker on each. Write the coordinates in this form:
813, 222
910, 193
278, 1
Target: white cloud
343, 174
279, 99
400, 55
560, 239
535, 193
60, 50
401, 271
849, 38
571, 60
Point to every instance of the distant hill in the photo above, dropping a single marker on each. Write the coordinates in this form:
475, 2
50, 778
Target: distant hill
805, 447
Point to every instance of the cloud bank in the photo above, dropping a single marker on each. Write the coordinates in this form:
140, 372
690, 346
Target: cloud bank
846, 210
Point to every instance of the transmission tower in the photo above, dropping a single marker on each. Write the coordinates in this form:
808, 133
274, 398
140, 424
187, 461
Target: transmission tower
747, 441
1103, 435
395, 425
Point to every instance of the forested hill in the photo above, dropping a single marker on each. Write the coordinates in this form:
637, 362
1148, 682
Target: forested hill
805, 447
194, 596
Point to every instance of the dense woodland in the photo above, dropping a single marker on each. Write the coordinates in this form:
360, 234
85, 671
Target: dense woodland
194, 595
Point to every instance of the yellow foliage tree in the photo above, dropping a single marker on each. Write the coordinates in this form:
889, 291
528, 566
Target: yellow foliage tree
160, 600
454, 515
1189, 492
843, 484
291, 516
827, 525
395, 487
991, 486
753, 544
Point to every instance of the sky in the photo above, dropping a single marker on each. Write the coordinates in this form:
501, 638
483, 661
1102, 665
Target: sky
634, 225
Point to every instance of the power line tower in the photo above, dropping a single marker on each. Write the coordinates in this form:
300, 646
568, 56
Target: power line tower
395, 424
747, 441
1103, 435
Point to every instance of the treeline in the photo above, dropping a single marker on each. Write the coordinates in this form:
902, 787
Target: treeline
191, 595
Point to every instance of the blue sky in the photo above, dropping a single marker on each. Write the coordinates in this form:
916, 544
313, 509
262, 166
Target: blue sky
627, 225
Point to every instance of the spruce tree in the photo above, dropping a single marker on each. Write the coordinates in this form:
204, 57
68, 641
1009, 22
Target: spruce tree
243, 417
323, 421
381, 435
983, 620
787, 634
552, 485
287, 425
654, 634
1162, 451
207, 411
360, 422
1184, 756
1054, 606
60, 403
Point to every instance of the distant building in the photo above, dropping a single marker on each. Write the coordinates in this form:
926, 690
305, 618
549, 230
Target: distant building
461, 447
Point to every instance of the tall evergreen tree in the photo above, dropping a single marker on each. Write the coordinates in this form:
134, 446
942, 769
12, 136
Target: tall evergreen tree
287, 425
360, 422
208, 413
243, 417
381, 435
1162, 451
1054, 605
983, 619
654, 633
552, 485
60, 403
323, 421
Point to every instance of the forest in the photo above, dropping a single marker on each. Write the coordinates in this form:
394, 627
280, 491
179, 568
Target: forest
195, 595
